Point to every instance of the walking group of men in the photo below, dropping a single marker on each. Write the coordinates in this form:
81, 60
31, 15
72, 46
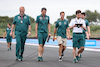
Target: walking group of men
79, 25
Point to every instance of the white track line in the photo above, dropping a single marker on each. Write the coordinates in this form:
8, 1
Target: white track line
31, 44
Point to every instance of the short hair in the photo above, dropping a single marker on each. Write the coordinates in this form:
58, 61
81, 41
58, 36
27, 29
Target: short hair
22, 7
62, 12
83, 13
78, 11
43, 9
9, 24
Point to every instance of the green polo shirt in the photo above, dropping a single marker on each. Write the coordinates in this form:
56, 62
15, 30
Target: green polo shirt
8, 30
61, 27
21, 24
87, 24
42, 23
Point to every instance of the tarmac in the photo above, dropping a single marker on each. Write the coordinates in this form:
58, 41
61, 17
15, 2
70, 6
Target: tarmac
8, 58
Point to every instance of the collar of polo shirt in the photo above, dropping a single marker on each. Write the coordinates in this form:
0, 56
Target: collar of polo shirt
20, 15
42, 15
77, 18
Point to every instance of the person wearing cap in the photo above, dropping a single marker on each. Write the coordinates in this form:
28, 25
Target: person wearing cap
62, 28
78, 25
22, 22
42, 30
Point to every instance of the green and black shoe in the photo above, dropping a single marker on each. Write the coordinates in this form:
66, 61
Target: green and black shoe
10, 48
39, 58
74, 61
78, 58
80, 55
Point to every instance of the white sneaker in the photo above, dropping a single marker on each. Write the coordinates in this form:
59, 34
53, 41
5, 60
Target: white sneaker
60, 58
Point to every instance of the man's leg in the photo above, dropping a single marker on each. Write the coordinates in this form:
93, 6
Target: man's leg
81, 44
63, 48
64, 45
60, 49
74, 54
18, 46
80, 55
80, 51
40, 52
60, 52
40, 47
23, 39
8, 45
75, 44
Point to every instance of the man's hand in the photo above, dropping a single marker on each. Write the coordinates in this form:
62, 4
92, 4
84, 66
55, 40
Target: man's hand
49, 34
13, 37
74, 25
3, 37
29, 33
69, 37
88, 37
11, 33
36, 35
54, 38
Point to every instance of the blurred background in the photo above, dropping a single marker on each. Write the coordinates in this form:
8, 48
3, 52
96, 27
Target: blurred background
10, 8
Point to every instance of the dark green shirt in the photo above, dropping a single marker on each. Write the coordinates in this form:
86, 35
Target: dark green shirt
21, 24
8, 30
87, 24
61, 28
42, 23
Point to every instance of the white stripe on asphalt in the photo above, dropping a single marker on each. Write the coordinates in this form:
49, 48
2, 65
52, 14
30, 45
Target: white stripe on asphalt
31, 44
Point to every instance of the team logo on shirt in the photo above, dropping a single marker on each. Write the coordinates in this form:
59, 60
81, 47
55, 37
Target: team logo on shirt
8, 29
40, 18
46, 18
18, 17
65, 23
25, 17
60, 23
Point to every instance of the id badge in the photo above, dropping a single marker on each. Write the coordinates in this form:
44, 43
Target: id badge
21, 21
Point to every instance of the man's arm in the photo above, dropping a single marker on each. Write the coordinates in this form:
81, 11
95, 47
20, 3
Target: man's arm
5, 34
36, 28
88, 28
11, 33
87, 35
68, 33
49, 29
29, 33
83, 27
71, 27
54, 34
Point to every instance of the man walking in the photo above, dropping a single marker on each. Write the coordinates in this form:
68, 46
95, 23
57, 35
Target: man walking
42, 30
22, 22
